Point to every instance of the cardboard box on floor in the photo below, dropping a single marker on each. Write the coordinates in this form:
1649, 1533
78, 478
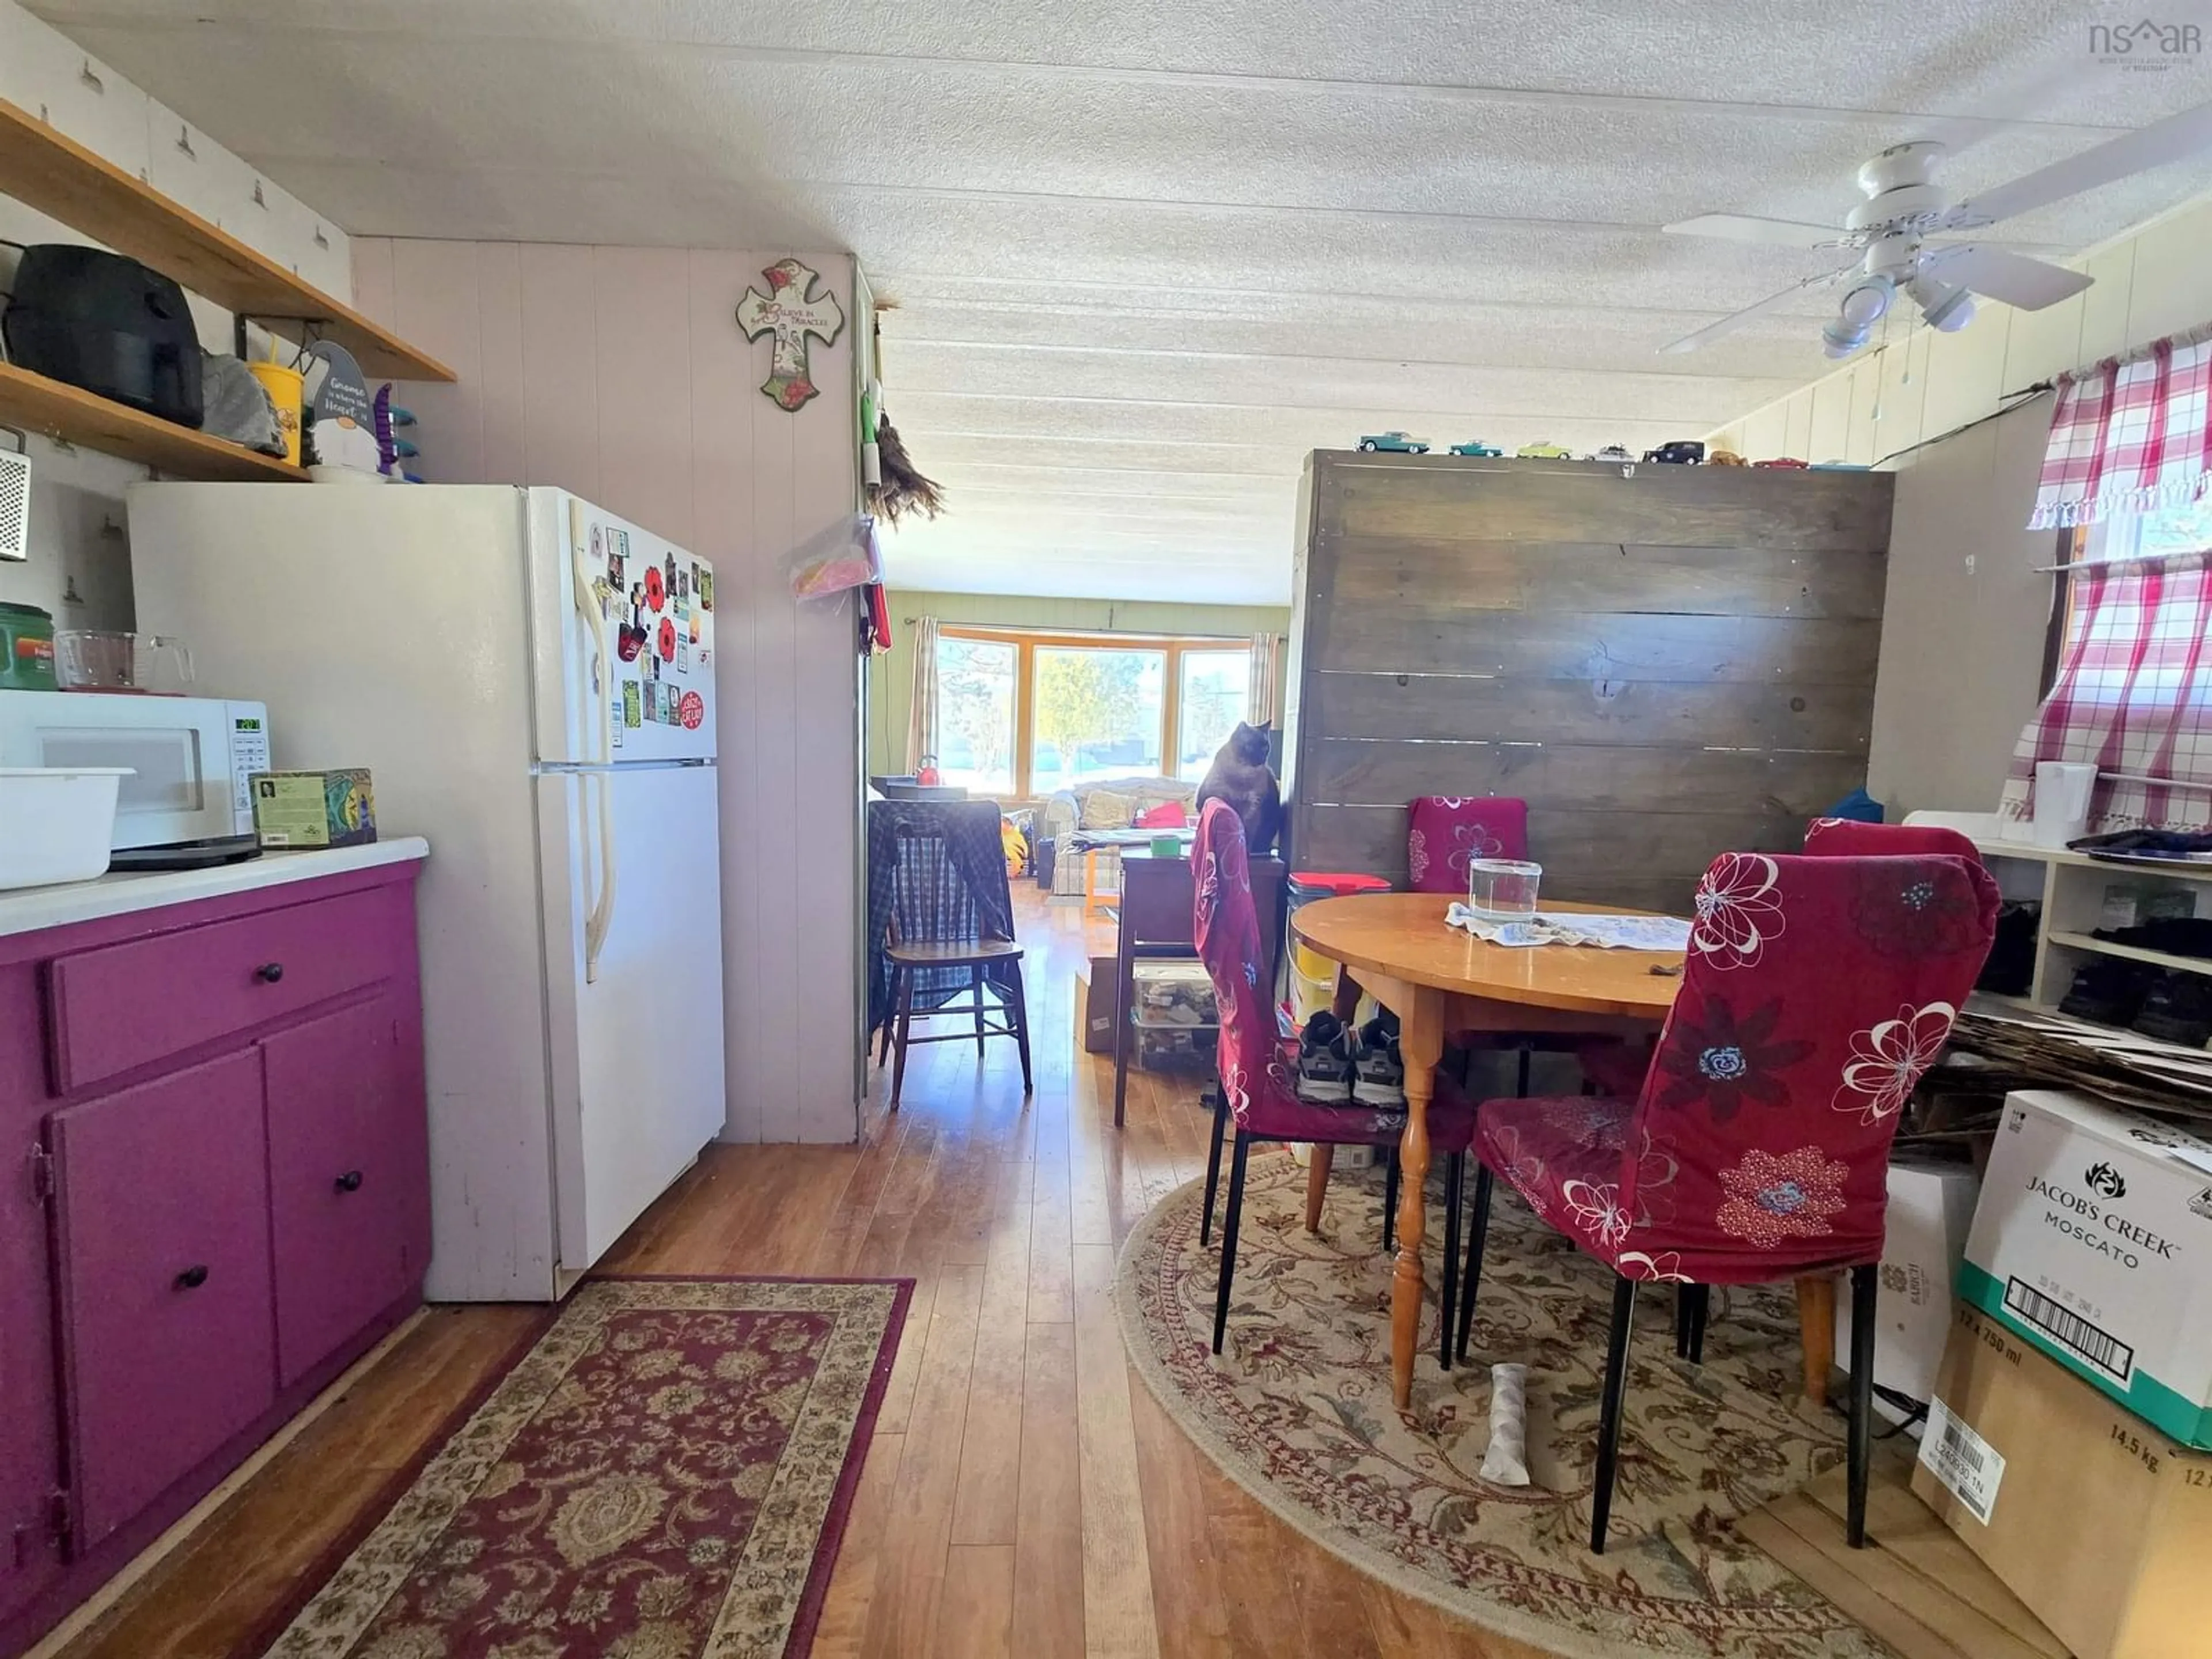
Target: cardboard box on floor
2093, 1241
1931, 1205
1097, 1005
2099, 1523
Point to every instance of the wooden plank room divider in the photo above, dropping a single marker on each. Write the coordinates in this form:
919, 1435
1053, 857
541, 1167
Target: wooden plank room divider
1667, 662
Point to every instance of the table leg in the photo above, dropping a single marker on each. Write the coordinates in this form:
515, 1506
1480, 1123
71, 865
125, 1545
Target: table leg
1324, 1160
1816, 1332
1344, 1002
1420, 1042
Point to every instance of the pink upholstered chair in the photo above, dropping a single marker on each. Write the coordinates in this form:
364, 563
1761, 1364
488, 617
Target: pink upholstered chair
1443, 832
1620, 1070
1256, 1090
1853, 838
1815, 993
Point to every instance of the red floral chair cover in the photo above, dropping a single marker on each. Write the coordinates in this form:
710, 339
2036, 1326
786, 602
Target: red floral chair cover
1443, 832
1815, 992
1854, 838
1254, 1063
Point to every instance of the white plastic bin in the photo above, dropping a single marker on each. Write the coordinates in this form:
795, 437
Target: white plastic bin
56, 822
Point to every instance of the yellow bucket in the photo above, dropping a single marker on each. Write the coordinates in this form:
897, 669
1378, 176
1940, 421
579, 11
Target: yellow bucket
283, 386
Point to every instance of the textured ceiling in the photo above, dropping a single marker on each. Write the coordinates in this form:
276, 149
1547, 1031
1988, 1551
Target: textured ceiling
1144, 256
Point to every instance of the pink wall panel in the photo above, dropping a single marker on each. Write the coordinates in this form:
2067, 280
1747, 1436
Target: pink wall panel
619, 372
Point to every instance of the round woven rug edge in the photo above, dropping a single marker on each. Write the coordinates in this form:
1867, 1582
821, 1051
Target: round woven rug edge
1502, 1621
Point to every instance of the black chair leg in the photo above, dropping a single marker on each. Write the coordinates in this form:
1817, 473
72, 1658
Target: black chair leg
1454, 1180
975, 986
1471, 1280
890, 1017
1017, 1016
1609, 1412
905, 1030
1229, 1238
1391, 1205
1521, 1075
1865, 1283
1213, 1165
1690, 1304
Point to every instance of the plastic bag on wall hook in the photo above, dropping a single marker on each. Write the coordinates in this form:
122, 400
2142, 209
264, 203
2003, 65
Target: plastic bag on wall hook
838, 557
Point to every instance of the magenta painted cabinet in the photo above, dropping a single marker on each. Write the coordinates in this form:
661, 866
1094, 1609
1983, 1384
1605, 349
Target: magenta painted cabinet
228, 1202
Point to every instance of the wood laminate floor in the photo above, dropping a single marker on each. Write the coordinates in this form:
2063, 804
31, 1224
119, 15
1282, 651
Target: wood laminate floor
1024, 1496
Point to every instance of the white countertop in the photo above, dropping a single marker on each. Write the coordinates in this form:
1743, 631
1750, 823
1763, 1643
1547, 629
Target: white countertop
28, 909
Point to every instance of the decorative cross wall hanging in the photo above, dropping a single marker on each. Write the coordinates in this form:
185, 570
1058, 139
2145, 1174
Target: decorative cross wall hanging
787, 311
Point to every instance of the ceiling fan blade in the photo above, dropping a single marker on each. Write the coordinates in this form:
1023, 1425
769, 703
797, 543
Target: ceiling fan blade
1741, 228
1998, 273
1713, 330
2175, 139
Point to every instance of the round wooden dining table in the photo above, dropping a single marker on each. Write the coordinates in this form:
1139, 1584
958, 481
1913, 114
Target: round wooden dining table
1441, 980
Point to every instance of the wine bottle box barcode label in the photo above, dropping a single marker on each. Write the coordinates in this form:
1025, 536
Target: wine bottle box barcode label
1970, 1468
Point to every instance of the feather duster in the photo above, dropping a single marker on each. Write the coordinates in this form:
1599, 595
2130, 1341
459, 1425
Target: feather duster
903, 489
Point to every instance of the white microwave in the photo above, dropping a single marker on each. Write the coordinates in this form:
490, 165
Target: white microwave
190, 759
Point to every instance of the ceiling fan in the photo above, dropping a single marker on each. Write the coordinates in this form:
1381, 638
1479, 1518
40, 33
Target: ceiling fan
1886, 235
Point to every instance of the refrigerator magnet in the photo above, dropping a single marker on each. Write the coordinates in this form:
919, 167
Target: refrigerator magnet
599, 546
632, 697
667, 638
691, 711
617, 572
615, 725
656, 592
703, 586
694, 627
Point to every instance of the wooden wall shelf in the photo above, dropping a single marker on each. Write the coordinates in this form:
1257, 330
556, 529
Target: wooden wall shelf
38, 405
61, 177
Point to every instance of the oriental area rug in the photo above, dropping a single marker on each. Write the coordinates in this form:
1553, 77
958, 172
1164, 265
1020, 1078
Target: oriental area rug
664, 1473
1298, 1411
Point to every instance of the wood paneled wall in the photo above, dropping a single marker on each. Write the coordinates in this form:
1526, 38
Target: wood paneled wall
619, 374
1666, 665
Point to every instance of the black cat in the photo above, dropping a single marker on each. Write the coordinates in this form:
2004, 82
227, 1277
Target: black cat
1239, 775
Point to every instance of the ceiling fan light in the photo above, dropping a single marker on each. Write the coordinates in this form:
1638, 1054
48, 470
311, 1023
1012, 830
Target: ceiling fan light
1867, 301
1839, 338
1947, 309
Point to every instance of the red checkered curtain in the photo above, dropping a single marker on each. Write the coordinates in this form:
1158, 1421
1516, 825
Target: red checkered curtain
2134, 696
2130, 437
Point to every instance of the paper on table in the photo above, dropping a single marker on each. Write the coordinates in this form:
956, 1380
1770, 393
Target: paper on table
1563, 927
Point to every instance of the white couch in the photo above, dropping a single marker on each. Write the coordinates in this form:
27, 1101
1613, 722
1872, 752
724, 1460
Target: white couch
1065, 813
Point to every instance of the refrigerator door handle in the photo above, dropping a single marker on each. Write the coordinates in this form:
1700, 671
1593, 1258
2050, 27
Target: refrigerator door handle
590, 612
602, 915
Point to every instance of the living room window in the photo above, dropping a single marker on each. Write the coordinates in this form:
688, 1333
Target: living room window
1023, 713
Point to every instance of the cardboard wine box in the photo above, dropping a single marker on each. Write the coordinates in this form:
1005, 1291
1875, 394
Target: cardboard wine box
2100, 1524
2093, 1240
1931, 1207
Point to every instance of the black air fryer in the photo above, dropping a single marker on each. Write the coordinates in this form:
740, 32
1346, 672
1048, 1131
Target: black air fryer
106, 324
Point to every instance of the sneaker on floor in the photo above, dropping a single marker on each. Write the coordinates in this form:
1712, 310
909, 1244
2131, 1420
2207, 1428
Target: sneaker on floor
1378, 1074
1325, 1060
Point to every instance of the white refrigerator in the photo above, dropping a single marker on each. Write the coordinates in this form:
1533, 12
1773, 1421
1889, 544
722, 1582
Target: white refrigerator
531, 681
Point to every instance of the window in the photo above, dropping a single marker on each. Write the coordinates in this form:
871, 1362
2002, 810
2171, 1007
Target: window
1020, 716
1096, 714
1214, 684
975, 711
2131, 693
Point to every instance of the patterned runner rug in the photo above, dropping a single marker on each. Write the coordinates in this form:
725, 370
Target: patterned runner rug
1298, 1410
664, 1473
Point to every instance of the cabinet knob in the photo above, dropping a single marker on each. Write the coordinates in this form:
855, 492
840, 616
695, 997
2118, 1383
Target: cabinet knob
191, 1278
349, 1182
270, 972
